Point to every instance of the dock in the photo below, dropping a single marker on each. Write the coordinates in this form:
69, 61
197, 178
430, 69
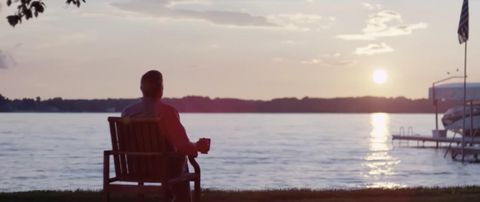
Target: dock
453, 145
424, 138
473, 151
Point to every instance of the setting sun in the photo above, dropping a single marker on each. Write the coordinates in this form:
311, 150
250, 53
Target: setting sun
379, 76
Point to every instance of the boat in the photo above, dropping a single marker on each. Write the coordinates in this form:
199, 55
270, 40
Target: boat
453, 118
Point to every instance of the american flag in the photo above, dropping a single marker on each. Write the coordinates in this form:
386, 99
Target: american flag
463, 25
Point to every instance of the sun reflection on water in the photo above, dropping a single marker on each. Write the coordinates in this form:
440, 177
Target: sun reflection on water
380, 164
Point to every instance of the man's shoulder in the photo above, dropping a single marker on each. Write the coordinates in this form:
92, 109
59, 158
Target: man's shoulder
131, 108
149, 108
166, 108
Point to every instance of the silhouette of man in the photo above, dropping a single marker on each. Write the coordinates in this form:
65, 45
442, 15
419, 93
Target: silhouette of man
150, 105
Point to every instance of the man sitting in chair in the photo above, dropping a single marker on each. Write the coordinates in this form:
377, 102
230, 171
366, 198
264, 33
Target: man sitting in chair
151, 106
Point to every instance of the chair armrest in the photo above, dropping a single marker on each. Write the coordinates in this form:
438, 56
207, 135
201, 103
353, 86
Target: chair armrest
196, 169
195, 176
134, 153
193, 162
106, 168
183, 178
169, 154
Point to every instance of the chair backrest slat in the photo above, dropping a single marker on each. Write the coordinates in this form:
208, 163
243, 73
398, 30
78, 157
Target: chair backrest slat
148, 138
114, 137
141, 162
139, 135
121, 134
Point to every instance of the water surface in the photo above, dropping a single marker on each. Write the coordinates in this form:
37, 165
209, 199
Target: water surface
249, 151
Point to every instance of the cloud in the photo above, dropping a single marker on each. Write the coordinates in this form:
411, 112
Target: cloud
173, 9
18, 45
164, 9
277, 60
6, 60
331, 60
373, 48
214, 46
66, 39
289, 42
314, 61
370, 6
174, 3
380, 25
302, 22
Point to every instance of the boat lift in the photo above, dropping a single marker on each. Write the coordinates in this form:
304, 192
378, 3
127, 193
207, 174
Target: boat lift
464, 146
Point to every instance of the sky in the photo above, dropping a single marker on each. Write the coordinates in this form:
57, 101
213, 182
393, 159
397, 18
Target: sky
249, 49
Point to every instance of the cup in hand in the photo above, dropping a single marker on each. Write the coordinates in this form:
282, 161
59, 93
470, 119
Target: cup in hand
204, 145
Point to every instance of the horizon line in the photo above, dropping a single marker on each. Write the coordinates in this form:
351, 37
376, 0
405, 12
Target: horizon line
217, 97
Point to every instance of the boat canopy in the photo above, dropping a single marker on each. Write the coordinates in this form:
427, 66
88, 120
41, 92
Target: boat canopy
454, 91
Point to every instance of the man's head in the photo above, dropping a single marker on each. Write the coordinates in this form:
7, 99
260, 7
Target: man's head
152, 84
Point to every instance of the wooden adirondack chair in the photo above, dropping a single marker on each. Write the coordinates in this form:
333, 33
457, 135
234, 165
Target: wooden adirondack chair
141, 155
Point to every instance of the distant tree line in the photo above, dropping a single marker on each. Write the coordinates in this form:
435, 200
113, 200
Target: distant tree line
205, 104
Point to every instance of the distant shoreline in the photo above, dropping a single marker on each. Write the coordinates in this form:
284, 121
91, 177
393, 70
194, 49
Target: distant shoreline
198, 104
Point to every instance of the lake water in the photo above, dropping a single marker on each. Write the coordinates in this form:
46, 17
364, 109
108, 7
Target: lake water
45, 151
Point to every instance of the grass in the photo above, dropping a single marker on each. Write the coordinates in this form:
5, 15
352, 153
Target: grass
451, 194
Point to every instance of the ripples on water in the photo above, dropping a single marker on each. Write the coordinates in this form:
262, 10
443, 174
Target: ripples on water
249, 151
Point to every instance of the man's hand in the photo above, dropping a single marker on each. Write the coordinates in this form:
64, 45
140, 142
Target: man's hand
203, 145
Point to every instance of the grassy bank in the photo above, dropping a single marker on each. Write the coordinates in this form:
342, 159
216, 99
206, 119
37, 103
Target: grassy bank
453, 194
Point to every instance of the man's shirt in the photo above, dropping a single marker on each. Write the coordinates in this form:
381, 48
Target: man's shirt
155, 108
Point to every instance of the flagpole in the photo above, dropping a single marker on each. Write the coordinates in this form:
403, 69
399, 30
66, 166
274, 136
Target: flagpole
464, 100
463, 38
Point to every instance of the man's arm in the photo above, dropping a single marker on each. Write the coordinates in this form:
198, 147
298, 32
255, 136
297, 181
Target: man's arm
177, 135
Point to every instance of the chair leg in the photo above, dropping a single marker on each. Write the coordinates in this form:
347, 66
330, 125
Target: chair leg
197, 190
167, 194
106, 195
106, 175
140, 195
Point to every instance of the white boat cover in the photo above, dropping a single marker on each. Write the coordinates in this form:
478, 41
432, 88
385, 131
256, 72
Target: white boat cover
454, 91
